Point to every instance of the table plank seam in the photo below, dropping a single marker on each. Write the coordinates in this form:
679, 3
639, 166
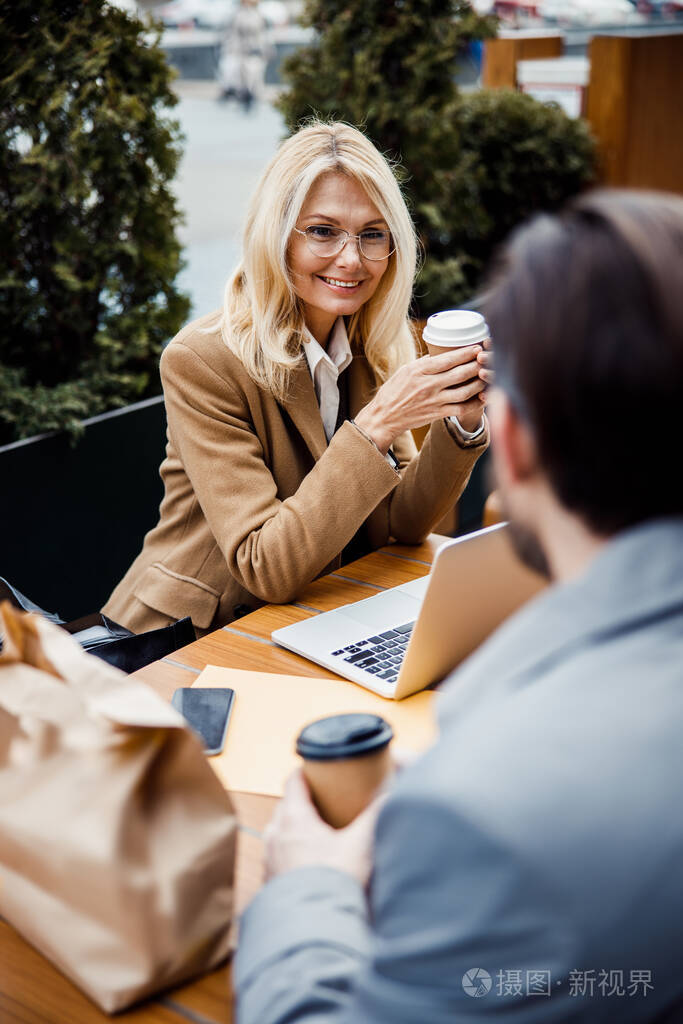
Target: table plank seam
306, 607
360, 583
180, 664
405, 558
249, 636
185, 1011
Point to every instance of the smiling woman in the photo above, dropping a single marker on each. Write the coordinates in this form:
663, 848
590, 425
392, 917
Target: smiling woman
290, 410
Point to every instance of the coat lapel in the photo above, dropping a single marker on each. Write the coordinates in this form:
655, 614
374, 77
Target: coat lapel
302, 407
362, 384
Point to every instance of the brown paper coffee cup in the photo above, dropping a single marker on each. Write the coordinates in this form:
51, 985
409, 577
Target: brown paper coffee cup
346, 760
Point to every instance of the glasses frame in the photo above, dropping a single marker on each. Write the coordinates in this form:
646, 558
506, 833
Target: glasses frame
347, 235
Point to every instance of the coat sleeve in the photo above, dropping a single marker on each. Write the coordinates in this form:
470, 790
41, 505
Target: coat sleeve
302, 941
273, 548
432, 482
446, 900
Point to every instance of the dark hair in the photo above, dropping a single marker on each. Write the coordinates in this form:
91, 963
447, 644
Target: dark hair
586, 317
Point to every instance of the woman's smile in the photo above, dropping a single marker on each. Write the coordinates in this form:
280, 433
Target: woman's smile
339, 285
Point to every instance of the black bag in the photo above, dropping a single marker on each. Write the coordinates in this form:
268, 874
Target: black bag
99, 635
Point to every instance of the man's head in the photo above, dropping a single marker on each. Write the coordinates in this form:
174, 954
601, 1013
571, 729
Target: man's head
586, 314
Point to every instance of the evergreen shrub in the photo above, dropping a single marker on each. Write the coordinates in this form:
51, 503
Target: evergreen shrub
88, 246
472, 165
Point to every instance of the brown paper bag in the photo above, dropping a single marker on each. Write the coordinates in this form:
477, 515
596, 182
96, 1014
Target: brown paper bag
117, 842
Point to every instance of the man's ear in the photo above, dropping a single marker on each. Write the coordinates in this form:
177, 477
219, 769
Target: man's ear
514, 448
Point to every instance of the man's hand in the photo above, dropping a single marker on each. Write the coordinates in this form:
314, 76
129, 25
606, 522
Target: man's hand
297, 836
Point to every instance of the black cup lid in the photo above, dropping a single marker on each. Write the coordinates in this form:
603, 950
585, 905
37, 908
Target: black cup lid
342, 736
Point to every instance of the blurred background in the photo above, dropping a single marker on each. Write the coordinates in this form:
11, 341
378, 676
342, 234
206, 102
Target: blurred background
221, 145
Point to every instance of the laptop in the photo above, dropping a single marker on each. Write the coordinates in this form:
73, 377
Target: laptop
409, 637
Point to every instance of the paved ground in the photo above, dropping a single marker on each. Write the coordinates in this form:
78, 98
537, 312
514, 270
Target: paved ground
225, 151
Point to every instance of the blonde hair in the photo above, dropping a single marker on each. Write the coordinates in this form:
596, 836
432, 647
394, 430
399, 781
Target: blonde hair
262, 319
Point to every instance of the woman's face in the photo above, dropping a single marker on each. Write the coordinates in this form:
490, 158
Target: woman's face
339, 285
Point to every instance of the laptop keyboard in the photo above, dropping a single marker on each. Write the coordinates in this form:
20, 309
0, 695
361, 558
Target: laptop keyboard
379, 655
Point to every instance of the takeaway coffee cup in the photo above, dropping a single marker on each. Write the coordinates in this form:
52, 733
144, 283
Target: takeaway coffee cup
346, 759
454, 328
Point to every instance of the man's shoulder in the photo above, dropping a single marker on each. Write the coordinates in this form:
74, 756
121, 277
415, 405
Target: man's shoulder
569, 707
571, 768
572, 707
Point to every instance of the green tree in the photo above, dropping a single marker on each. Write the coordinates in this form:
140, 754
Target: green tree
88, 246
472, 165
516, 157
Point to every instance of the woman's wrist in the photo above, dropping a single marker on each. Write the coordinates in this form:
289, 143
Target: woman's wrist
468, 435
470, 420
373, 428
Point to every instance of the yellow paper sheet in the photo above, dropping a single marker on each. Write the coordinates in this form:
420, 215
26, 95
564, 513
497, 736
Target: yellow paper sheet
270, 711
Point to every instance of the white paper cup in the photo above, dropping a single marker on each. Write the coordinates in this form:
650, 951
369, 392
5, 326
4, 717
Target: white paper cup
454, 328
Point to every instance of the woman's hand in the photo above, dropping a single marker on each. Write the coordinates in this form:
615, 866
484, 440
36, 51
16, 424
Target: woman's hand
424, 390
485, 360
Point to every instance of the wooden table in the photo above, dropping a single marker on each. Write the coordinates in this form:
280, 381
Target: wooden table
32, 991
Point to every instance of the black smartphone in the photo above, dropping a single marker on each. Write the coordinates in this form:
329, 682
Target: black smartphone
207, 711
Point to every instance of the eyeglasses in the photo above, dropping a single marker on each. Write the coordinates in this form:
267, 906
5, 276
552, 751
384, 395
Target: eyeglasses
324, 240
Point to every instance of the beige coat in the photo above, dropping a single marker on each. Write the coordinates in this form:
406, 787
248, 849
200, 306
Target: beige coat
257, 504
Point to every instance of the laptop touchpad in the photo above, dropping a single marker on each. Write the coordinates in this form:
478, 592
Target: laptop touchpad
384, 610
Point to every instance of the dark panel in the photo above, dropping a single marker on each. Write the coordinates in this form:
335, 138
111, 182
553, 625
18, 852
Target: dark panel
471, 504
73, 518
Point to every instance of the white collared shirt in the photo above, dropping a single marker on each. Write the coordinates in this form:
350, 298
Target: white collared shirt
325, 367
